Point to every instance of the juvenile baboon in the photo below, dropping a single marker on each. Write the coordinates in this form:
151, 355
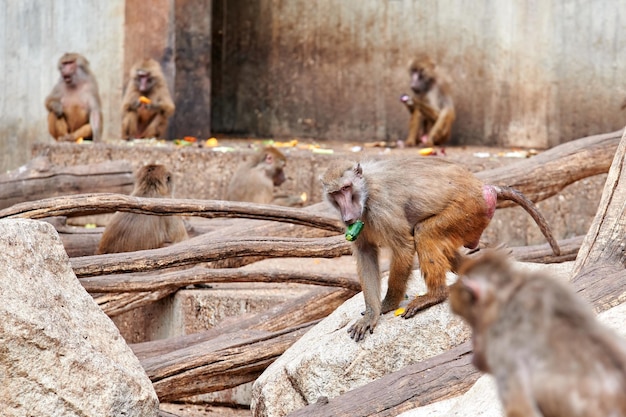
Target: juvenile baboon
255, 179
147, 103
128, 232
424, 205
74, 109
547, 351
431, 106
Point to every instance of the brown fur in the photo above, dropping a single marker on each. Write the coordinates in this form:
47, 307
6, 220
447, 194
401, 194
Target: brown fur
74, 109
141, 120
429, 206
255, 179
431, 106
549, 354
128, 232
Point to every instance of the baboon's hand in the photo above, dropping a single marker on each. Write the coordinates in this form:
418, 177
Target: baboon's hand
358, 330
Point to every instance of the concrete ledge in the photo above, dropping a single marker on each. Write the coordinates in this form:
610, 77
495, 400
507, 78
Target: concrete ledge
204, 174
194, 310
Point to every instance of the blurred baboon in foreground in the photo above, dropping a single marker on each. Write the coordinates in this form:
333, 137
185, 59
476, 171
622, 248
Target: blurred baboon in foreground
128, 232
549, 354
74, 109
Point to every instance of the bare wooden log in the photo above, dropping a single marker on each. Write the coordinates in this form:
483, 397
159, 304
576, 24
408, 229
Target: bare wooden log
599, 271
546, 174
543, 253
316, 304
40, 179
201, 275
219, 363
77, 241
136, 290
245, 227
119, 303
126, 292
105, 203
198, 249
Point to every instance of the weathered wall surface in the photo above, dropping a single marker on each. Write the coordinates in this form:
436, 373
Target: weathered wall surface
113, 35
34, 34
192, 90
530, 74
527, 73
149, 33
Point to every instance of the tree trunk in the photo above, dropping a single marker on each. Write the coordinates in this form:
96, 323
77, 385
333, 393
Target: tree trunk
599, 271
107, 203
200, 249
200, 275
40, 179
546, 174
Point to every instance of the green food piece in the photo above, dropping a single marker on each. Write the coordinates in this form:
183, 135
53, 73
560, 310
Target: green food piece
352, 232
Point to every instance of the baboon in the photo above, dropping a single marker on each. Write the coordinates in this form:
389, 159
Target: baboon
547, 351
147, 103
128, 232
74, 109
427, 205
431, 106
255, 179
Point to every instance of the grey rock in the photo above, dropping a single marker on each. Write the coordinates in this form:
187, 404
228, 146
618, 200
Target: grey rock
326, 362
60, 355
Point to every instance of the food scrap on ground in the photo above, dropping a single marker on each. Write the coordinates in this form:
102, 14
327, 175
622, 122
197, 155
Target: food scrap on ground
211, 143
516, 153
323, 151
427, 151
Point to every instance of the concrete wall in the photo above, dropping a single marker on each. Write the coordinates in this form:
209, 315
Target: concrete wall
33, 35
149, 33
113, 35
192, 90
527, 73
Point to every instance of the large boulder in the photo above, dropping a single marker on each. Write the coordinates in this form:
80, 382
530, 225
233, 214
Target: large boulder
326, 362
60, 354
